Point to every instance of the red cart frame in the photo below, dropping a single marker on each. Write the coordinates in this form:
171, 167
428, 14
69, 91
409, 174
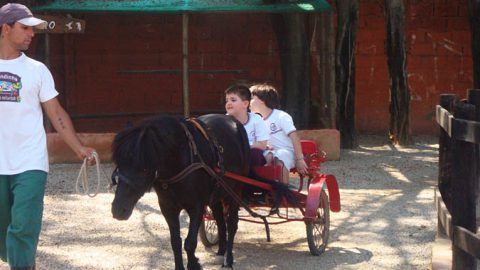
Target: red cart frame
314, 204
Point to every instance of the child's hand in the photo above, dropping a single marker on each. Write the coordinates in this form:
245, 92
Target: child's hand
301, 166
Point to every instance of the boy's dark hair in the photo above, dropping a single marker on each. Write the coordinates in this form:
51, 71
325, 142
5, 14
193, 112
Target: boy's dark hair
267, 93
240, 90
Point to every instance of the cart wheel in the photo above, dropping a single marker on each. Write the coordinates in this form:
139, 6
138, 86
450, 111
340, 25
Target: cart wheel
318, 229
208, 231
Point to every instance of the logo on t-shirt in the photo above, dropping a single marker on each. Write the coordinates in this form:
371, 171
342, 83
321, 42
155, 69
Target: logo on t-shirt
10, 85
274, 129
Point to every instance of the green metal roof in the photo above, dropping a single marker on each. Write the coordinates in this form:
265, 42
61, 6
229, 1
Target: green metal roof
177, 6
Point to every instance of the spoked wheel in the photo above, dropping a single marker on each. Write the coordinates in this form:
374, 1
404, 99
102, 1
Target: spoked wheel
208, 231
318, 229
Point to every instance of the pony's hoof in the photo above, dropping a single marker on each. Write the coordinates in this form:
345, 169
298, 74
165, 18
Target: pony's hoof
219, 260
227, 267
195, 267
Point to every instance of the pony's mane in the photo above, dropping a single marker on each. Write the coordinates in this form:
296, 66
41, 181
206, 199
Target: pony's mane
142, 147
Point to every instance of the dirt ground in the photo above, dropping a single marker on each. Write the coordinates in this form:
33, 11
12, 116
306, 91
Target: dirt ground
387, 221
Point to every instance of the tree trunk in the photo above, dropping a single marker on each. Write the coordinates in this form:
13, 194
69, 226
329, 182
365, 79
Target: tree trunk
347, 24
399, 131
296, 70
295, 66
322, 47
474, 16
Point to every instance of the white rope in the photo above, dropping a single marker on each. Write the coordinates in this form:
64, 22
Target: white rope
84, 172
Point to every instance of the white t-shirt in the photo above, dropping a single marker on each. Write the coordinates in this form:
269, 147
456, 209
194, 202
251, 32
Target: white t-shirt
280, 125
24, 84
256, 128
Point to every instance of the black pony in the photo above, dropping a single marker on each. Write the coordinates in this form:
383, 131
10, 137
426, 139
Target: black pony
183, 160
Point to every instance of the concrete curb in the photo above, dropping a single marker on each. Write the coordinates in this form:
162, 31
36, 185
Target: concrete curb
328, 140
442, 253
59, 152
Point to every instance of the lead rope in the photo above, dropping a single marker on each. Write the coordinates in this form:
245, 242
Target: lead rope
83, 177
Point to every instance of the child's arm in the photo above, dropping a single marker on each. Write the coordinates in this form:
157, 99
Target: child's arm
300, 163
260, 145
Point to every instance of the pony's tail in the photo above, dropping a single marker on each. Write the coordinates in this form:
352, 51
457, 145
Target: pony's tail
282, 191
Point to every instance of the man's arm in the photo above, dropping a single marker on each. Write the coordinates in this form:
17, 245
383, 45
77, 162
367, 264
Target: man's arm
64, 126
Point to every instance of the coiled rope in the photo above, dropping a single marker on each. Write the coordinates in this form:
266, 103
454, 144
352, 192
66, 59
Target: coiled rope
83, 177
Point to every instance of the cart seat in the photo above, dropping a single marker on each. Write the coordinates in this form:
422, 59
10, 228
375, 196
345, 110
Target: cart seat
312, 158
269, 172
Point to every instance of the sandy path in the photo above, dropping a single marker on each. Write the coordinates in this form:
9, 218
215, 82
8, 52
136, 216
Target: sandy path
388, 220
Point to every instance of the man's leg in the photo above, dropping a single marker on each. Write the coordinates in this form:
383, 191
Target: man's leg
28, 189
5, 214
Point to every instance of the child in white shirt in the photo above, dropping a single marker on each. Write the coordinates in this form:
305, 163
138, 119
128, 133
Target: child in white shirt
237, 101
284, 145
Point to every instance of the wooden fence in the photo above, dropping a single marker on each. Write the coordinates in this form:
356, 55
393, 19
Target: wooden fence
458, 180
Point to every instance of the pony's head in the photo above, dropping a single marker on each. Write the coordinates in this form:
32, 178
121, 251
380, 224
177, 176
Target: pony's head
140, 154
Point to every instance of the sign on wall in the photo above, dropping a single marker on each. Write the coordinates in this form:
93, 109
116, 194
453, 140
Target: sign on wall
58, 24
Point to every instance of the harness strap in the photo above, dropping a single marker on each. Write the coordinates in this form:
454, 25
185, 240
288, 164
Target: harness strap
194, 152
179, 176
191, 142
195, 122
195, 166
232, 193
209, 136
216, 148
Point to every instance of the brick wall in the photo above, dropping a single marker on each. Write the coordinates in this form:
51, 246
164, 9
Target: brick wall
439, 61
131, 63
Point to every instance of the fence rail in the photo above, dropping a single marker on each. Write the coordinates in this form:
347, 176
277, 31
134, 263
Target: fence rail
460, 129
458, 176
461, 237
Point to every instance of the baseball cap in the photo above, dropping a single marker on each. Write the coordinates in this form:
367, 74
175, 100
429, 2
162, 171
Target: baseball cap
13, 12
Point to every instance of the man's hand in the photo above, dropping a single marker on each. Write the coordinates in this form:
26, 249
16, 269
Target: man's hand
87, 152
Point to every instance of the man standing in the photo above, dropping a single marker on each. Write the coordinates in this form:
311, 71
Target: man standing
26, 86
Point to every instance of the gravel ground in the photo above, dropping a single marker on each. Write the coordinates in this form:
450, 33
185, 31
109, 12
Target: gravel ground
387, 221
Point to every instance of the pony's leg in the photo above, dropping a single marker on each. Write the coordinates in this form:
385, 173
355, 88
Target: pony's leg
232, 227
196, 215
171, 216
217, 212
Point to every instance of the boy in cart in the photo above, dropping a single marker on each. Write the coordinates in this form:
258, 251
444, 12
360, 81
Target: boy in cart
237, 101
284, 147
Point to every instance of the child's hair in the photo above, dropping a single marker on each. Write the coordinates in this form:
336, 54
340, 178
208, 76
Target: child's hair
267, 93
240, 90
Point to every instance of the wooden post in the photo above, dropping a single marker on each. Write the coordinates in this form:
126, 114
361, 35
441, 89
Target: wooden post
445, 153
185, 75
463, 188
474, 99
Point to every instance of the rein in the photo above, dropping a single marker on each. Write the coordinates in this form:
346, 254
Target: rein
217, 174
193, 153
179, 176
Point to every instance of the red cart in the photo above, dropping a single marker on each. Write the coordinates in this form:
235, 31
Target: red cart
314, 203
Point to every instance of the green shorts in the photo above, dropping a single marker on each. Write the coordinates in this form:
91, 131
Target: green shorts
21, 211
